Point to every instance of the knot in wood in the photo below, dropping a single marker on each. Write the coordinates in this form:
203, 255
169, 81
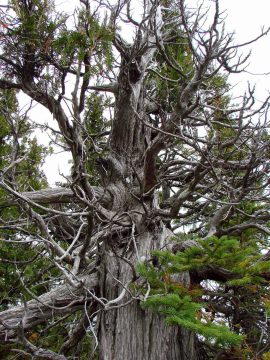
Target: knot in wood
134, 71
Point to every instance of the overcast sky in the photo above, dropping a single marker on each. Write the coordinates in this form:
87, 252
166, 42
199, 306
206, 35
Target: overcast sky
246, 18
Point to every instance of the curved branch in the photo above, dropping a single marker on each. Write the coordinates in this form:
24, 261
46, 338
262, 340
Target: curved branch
60, 301
4, 84
58, 195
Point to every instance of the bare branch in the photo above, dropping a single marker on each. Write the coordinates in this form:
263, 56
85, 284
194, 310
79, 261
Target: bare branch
59, 301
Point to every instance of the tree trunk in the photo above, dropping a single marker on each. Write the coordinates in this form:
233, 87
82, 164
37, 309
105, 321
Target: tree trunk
126, 331
129, 332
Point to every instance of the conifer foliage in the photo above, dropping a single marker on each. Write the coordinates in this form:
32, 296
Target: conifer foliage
156, 244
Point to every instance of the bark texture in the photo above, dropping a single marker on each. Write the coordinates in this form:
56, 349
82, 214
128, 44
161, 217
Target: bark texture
129, 332
65, 299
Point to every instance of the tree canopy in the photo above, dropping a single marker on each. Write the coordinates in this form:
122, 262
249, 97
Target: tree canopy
156, 245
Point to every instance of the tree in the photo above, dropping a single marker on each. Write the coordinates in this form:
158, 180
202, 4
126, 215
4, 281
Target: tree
156, 245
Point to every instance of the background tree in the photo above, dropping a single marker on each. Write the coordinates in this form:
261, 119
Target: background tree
156, 245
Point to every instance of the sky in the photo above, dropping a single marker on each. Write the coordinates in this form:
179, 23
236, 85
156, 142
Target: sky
244, 17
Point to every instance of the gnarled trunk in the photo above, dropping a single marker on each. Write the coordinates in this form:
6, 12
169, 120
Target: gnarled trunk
126, 331
130, 332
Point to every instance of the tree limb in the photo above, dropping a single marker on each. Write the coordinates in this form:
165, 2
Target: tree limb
57, 195
60, 301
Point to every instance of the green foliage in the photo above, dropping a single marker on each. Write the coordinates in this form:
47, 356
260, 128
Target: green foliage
217, 333
88, 39
224, 252
187, 306
20, 157
25, 269
180, 305
95, 127
17, 146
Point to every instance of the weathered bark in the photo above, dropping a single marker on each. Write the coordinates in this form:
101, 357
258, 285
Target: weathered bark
129, 332
62, 300
58, 195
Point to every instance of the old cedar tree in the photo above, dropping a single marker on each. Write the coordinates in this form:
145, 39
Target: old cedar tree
155, 247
